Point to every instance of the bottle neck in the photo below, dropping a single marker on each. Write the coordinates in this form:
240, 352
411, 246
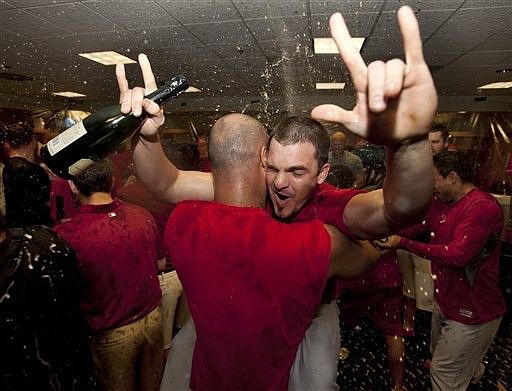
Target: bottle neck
171, 89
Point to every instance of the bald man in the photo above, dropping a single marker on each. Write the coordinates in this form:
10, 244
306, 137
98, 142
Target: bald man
251, 297
346, 168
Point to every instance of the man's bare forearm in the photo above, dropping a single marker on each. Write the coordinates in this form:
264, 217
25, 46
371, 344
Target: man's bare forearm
409, 184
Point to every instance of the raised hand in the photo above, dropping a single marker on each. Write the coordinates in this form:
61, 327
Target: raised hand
395, 101
133, 99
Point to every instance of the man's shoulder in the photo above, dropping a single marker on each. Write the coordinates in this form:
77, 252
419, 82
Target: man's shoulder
40, 239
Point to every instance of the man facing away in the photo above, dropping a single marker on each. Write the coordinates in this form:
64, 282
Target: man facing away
386, 113
26, 184
465, 224
117, 250
252, 283
43, 339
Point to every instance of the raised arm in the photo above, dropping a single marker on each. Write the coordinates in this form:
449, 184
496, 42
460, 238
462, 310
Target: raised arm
161, 177
395, 105
350, 259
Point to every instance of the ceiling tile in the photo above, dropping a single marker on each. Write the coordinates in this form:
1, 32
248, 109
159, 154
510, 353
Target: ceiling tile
128, 13
204, 11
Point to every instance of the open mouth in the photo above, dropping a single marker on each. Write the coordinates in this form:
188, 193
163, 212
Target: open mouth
281, 196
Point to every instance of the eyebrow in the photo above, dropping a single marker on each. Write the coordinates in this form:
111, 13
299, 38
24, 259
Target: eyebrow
290, 169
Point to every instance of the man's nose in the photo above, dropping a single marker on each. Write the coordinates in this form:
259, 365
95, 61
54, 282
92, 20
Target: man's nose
280, 180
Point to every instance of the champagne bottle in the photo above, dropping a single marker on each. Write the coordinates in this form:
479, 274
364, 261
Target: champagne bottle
100, 134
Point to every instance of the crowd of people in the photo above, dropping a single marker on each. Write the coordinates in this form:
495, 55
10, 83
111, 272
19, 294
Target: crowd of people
269, 253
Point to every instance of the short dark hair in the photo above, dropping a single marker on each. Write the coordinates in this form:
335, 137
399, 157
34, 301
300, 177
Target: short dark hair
97, 178
18, 134
440, 127
302, 129
456, 161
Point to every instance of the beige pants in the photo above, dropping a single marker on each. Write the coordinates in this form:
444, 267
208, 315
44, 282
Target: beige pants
130, 357
417, 276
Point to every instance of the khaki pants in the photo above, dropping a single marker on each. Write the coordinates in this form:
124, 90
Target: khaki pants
130, 357
172, 289
417, 276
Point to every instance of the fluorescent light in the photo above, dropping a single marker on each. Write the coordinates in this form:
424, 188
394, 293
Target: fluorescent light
192, 89
497, 85
69, 94
330, 86
327, 45
108, 58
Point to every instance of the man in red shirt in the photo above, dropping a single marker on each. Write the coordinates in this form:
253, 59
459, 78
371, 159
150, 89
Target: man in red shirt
251, 298
381, 90
465, 224
117, 250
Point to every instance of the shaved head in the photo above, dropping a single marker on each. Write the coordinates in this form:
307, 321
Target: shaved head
236, 141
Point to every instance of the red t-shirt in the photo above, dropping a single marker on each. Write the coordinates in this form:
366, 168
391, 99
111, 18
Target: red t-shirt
465, 290
116, 247
328, 204
252, 286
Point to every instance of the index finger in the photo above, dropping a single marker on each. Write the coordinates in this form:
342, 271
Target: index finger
411, 36
121, 78
349, 54
147, 74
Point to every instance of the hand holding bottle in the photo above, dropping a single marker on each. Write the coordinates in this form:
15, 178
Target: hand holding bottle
133, 99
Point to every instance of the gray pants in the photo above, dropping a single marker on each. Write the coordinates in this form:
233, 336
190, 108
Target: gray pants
315, 366
457, 350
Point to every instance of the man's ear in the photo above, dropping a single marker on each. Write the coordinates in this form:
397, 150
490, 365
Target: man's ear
324, 171
263, 156
453, 177
73, 187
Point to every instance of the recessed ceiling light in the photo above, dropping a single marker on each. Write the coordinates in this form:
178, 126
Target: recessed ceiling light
328, 46
497, 85
330, 86
108, 58
69, 94
193, 89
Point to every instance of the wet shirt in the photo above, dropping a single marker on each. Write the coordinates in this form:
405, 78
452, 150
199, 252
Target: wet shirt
464, 251
116, 246
328, 204
43, 340
241, 272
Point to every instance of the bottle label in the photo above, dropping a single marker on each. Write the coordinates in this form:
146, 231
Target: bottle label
79, 166
66, 138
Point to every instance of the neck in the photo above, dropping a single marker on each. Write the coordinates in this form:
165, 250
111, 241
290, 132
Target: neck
464, 189
96, 199
24, 153
3, 236
236, 192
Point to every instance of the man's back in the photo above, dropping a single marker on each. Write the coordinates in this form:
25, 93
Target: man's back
115, 245
252, 287
43, 343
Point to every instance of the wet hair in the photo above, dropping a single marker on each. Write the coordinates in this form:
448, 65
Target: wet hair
440, 127
18, 134
295, 130
455, 161
97, 178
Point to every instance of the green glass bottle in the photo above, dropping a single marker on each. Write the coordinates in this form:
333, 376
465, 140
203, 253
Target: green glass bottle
100, 134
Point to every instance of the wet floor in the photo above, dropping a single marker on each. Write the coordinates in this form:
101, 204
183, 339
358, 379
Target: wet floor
365, 367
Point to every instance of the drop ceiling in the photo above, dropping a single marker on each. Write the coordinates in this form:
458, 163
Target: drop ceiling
245, 55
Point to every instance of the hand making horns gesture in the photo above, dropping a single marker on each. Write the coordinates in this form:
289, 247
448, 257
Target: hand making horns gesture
133, 99
396, 101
